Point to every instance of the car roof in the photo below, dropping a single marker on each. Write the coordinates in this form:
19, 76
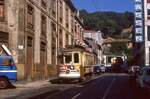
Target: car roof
146, 67
135, 66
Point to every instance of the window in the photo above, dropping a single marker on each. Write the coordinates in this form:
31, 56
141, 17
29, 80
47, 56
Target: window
148, 33
60, 11
30, 17
72, 41
43, 4
67, 39
43, 25
75, 28
68, 58
149, 55
2, 10
148, 11
7, 62
60, 38
43, 46
109, 59
29, 41
72, 22
53, 8
76, 57
147, 71
67, 17
53, 28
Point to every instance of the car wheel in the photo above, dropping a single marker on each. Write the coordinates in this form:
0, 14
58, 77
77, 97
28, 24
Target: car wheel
3, 83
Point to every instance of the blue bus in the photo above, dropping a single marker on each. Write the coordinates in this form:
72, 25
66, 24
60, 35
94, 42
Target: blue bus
8, 70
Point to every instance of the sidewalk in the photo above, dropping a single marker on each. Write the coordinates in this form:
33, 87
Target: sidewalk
26, 90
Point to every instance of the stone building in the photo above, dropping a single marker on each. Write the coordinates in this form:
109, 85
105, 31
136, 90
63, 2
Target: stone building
147, 31
79, 28
35, 31
96, 40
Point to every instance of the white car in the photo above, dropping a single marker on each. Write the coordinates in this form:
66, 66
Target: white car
143, 78
103, 68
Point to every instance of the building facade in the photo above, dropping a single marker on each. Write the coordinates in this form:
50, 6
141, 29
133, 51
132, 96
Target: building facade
35, 31
96, 40
147, 30
79, 28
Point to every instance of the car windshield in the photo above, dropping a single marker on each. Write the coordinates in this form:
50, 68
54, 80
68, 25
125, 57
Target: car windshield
148, 72
96, 67
6, 62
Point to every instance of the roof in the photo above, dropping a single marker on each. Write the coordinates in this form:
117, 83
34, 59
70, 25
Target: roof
146, 67
90, 31
5, 56
74, 48
70, 4
71, 48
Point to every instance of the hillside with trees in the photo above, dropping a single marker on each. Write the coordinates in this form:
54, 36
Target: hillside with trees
110, 23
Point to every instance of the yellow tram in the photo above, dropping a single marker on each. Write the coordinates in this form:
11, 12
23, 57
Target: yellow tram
77, 63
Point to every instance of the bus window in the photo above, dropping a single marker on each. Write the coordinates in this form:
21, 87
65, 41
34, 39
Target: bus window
76, 57
68, 58
5, 62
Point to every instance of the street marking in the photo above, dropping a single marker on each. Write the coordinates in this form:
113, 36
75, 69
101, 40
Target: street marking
108, 89
74, 97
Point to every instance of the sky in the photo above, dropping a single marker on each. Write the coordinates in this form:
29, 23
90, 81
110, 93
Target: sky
105, 5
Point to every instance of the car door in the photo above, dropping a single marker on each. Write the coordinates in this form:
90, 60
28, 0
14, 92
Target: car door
139, 77
146, 78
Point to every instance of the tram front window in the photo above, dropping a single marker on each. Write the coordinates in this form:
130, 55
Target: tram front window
68, 58
76, 58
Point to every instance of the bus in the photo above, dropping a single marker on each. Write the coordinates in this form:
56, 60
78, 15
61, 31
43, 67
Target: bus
8, 69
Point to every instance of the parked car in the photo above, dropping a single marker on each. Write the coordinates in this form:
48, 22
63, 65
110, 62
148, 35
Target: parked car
103, 68
133, 71
96, 69
143, 79
99, 68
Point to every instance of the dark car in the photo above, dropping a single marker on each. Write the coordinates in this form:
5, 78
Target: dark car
96, 69
133, 71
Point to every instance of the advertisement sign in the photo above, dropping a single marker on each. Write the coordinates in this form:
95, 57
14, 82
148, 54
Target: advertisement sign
139, 33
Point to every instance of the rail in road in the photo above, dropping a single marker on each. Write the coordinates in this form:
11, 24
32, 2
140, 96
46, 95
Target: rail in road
108, 86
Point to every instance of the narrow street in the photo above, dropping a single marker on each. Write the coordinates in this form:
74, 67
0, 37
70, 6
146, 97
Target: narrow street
111, 86
74, 49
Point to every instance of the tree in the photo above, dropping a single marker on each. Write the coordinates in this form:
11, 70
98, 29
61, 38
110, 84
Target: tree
110, 23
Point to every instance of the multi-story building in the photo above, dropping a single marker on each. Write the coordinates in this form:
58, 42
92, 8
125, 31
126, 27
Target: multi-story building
147, 30
35, 31
79, 28
95, 37
142, 32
